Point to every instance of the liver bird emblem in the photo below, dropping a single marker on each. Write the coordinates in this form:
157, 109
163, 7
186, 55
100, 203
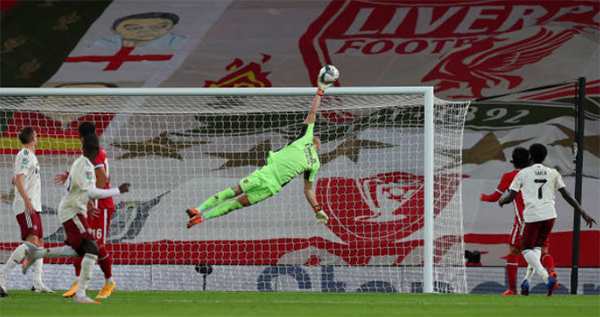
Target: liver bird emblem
482, 65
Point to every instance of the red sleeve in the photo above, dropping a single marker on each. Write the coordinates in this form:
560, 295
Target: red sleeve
502, 187
505, 182
100, 159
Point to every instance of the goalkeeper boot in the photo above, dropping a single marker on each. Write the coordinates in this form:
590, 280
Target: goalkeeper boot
84, 300
192, 213
194, 221
550, 286
106, 290
525, 288
71, 292
553, 274
3, 292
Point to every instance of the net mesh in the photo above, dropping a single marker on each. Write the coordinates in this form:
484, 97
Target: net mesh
177, 151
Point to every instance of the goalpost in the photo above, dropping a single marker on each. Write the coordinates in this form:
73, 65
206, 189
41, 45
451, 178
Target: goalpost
390, 181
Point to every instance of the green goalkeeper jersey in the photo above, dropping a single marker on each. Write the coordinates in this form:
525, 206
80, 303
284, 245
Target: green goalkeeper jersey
296, 158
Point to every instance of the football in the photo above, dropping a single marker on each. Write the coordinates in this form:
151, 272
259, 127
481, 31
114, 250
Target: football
329, 74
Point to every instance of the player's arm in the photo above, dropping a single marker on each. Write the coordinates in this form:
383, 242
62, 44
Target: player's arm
515, 186
101, 180
500, 190
491, 198
101, 177
19, 180
312, 113
567, 196
312, 200
97, 193
507, 198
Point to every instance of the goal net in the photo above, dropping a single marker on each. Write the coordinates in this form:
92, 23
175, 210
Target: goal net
179, 150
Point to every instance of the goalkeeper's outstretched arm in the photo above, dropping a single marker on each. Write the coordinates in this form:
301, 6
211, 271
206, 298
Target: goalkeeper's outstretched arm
312, 200
312, 113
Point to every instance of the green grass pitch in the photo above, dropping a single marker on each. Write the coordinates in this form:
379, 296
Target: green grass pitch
25, 303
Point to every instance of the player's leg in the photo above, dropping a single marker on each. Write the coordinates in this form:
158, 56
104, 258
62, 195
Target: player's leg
217, 199
548, 262
79, 244
547, 259
220, 210
89, 250
38, 284
525, 283
73, 289
19, 254
258, 186
543, 236
512, 260
104, 259
512, 267
38, 241
77, 265
80, 239
528, 239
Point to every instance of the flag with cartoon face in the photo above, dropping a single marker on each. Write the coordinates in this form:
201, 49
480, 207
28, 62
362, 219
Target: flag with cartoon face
133, 45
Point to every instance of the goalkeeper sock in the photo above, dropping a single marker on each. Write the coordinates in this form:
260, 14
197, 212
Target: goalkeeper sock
87, 266
217, 199
15, 258
223, 209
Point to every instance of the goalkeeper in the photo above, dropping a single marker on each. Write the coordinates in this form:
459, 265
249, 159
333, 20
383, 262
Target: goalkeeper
299, 157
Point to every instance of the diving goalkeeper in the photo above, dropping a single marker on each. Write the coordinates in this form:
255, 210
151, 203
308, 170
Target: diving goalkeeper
299, 157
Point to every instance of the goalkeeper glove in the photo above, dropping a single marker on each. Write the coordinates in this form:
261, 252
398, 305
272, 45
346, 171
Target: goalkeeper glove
320, 215
322, 86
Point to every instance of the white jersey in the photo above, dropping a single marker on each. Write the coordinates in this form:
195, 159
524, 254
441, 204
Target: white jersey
27, 164
81, 179
537, 184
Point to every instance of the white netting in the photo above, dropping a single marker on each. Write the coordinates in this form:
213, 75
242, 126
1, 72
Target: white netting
177, 151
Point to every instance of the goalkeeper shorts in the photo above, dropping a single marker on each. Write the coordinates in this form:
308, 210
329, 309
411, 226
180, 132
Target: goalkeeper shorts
260, 185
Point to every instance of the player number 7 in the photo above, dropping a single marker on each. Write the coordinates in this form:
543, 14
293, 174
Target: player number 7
540, 181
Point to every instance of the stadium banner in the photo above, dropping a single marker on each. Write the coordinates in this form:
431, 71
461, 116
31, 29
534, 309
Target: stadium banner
467, 50
133, 45
38, 35
294, 278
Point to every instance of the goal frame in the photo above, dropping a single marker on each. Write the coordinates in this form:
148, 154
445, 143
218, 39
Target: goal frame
426, 91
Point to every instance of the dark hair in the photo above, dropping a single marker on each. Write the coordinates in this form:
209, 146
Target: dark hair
26, 134
91, 145
538, 152
520, 157
149, 15
85, 128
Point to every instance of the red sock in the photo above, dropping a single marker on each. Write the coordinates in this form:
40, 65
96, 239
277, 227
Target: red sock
548, 262
77, 265
512, 266
105, 262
